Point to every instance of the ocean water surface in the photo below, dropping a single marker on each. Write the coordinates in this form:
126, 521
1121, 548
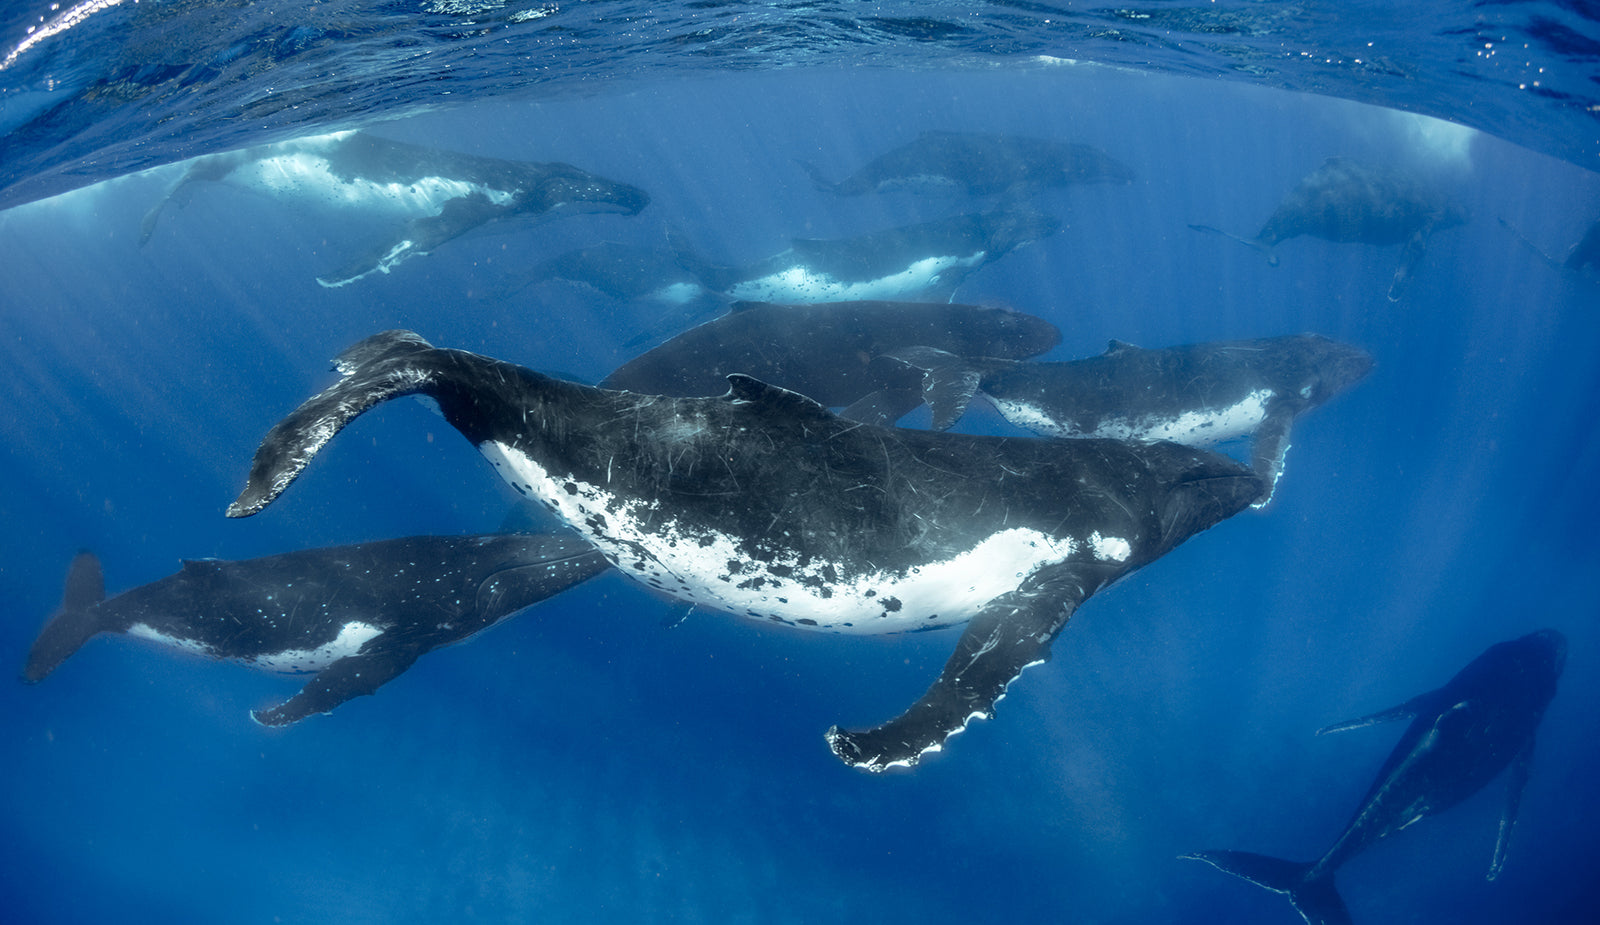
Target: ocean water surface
586, 761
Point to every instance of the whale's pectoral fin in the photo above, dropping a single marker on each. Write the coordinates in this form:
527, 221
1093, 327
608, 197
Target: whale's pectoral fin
147, 226
818, 179
1521, 767
420, 236
1252, 243
1270, 446
1533, 248
1407, 710
375, 370
380, 259
1011, 633
349, 677
1410, 254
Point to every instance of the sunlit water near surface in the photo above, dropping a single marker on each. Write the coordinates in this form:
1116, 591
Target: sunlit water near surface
586, 762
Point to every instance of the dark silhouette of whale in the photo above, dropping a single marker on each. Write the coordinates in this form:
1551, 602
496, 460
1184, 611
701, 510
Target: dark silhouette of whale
1197, 394
1585, 253
1461, 737
626, 272
356, 615
979, 165
439, 195
825, 351
920, 262
763, 503
1347, 202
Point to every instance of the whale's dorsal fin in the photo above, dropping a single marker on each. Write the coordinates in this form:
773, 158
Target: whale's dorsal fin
1118, 347
744, 389
191, 566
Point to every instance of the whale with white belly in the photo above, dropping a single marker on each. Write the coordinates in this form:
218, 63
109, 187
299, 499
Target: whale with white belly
920, 262
434, 195
357, 615
1195, 394
763, 503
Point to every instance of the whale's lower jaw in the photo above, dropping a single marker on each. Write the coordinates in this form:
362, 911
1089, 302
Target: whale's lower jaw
712, 569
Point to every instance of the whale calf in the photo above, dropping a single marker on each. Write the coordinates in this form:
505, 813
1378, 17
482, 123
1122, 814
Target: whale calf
925, 261
1348, 202
437, 195
626, 272
1196, 394
357, 615
1461, 736
977, 164
764, 504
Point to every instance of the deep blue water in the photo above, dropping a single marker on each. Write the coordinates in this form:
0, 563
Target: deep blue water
583, 762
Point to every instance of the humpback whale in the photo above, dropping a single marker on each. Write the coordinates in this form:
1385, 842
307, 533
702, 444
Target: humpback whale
626, 272
1197, 394
1347, 202
357, 615
762, 503
1461, 736
825, 351
438, 195
925, 261
979, 165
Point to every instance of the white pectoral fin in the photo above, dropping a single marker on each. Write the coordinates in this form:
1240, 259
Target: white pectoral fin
1011, 633
1270, 446
1521, 767
1407, 710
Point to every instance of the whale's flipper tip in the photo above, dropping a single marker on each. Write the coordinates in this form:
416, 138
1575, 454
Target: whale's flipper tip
381, 367
350, 677
1012, 633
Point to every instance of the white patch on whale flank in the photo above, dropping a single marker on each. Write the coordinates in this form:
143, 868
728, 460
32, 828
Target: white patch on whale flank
1109, 548
352, 636
305, 171
693, 564
800, 285
1202, 427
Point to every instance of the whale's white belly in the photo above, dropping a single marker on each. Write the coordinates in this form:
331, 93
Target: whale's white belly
708, 568
1203, 427
802, 285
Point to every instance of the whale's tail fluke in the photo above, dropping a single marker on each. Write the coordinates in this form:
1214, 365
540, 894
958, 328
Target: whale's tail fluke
382, 367
949, 381
71, 626
1313, 895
